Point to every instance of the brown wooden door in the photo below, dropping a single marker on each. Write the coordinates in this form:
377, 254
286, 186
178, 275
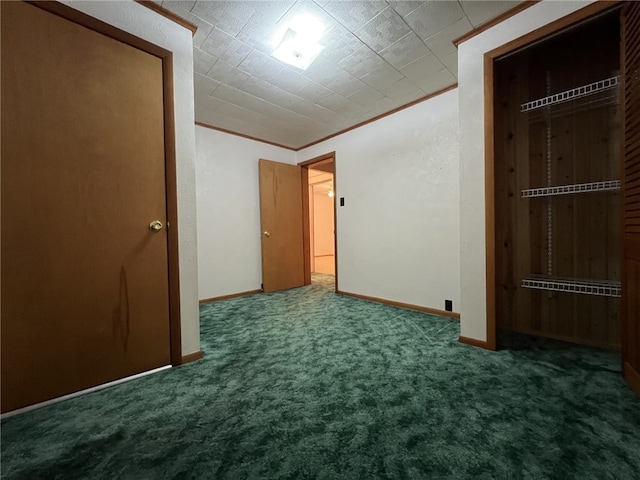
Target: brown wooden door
84, 279
281, 225
631, 188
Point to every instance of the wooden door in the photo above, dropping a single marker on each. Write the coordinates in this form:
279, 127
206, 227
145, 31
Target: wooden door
631, 188
84, 279
281, 225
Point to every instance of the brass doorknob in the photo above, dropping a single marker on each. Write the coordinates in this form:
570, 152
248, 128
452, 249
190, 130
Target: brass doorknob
155, 226
266, 234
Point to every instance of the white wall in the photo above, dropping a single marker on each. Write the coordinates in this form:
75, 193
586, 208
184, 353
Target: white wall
472, 129
148, 25
398, 233
229, 251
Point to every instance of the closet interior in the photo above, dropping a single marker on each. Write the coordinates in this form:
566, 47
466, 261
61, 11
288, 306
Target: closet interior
557, 139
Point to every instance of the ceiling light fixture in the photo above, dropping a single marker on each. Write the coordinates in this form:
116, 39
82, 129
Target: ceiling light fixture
297, 42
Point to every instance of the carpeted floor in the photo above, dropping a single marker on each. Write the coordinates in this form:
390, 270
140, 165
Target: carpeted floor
307, 384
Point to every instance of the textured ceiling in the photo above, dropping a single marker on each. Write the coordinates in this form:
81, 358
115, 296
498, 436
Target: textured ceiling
378, 55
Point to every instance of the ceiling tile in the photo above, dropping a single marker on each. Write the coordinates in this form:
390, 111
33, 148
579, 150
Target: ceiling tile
451, 62
333, 102
269, 92
234, 96
323, 71
350, 113
207, 113
238, 86
404, 91
206, 109
366, 96
228, 74
436, 81
258, 111
227, 111
263, 26
382, 77
382, 30
433, 16
346, 85
361, 62
406, 50
339, 43
227, 48
289, 80
183, 4
204, 27
421, 68
318, 113
383, 105
354, 14
288, 101
354, 113
202, 61
480, 12
404, 7
314, 92
227, 16
206, 103
204, 84
311, 8
441, 43
261, 65
265, 29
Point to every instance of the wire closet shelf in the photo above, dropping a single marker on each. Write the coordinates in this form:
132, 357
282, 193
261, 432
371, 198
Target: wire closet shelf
601, 93
607, 186
605, 288
573, 94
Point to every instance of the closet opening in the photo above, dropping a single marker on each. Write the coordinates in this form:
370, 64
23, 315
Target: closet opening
557, 186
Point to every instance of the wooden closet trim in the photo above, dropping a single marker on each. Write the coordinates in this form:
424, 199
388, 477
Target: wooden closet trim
489, 148
68, 13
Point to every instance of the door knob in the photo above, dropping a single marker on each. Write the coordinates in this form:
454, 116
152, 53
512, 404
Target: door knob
155, 226
266, 234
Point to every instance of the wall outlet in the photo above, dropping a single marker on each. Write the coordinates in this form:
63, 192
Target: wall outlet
448, 305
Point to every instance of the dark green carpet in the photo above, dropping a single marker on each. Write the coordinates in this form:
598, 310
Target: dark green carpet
305, 384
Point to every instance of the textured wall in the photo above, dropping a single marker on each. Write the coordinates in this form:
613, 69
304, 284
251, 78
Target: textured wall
229, 251
398, 233
472, 130
144, 23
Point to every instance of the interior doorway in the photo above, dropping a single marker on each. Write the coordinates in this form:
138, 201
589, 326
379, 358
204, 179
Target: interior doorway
320, 217
321, 221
